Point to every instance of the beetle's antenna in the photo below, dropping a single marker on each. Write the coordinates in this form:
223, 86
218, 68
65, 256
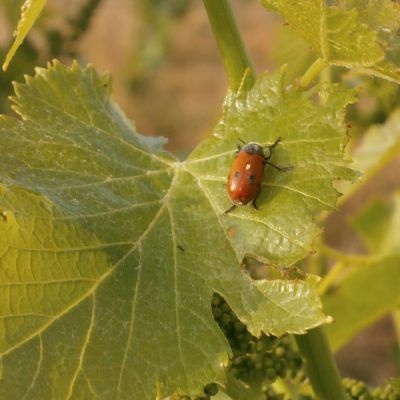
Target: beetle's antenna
241, 140
271, 147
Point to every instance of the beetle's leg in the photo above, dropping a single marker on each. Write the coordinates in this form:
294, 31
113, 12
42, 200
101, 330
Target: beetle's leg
281, 169
239, 147
231, 208
267, 158
225, 184
271, 147
253, 203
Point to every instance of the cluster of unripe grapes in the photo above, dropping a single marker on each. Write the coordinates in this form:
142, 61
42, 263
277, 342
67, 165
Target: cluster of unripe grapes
268, 358
358, 390
256, 359
262, 359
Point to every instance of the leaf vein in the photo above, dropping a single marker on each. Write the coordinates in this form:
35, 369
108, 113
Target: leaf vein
72, 249
132, 319
31, 386
34, 283
299, 192
84, 347
107, 181
176, 293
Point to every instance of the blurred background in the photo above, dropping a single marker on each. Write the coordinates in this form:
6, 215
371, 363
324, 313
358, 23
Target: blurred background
169, 79
161, 53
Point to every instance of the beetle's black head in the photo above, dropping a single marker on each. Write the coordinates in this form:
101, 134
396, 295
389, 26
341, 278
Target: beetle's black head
253, 148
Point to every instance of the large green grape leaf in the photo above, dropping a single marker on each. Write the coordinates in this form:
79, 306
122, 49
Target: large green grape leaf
313, 137
30, 11
111, 248
336, 35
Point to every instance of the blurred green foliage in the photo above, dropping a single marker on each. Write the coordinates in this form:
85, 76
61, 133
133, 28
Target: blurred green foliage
11, 9
156, 18
58, 43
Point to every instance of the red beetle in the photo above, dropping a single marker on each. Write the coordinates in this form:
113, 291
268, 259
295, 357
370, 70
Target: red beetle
244, 180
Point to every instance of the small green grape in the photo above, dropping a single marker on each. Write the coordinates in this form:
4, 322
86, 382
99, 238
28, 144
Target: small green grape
211, 389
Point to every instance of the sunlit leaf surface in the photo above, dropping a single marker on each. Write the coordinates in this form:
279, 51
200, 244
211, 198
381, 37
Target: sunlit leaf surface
336, 35
360, 34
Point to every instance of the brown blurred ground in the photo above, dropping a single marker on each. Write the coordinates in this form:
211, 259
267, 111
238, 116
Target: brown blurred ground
183, 99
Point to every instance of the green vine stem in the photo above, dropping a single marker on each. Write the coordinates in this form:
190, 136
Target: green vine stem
347, 258
320, 365
229, 41
343, 261
312, 72
329, 279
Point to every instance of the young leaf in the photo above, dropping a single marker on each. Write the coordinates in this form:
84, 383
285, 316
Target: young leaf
112, 248
293, 51
367, 293
307, 18
350, 42
30, 10
379, 227
382, 16
355, 36
380, 144
336, 35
